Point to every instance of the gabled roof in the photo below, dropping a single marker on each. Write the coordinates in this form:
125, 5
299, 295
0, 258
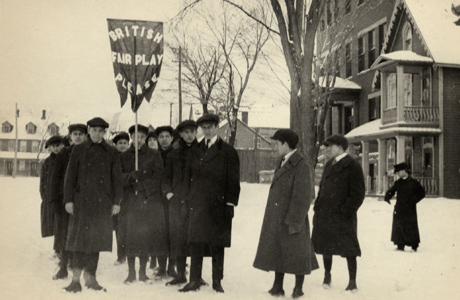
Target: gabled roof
434, 23
224, 122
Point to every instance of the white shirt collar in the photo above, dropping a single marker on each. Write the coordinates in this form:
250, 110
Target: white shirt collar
339, 157
212, 141
287, 156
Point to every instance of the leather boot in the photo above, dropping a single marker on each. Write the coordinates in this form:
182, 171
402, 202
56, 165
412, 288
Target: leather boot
217, 286
192, 286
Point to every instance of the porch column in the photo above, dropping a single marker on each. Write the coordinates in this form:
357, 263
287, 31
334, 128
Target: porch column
382, 162
400, 93
400, 149
365, 164
383, 93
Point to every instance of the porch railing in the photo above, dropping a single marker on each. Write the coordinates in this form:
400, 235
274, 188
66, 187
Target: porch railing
431, 185
421, 114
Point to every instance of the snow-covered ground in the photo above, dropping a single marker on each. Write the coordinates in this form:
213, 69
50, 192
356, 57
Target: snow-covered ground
27, 262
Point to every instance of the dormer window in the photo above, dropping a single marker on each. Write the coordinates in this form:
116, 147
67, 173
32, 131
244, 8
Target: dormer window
408, 37
53, 129
31, 128
7, 127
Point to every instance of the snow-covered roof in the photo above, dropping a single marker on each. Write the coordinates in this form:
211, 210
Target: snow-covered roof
374, 128
434, 23
42, 126
341, 83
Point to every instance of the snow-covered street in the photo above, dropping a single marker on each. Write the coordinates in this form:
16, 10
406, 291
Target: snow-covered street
27, 263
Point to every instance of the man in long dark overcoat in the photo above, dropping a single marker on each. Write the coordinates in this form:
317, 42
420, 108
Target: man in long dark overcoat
142, 224
215, 188
77, 133
46, 207
93, 191
409, 192
284, 244
340, 195
164, 135
175, 189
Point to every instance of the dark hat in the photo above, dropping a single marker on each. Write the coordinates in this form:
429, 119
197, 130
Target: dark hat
82, 127
160, 129
140, 128
66, 141
121, 136
400, 167
338, 140
286, 135
97, 122
185, 124
54, 140
208, 118
150, 135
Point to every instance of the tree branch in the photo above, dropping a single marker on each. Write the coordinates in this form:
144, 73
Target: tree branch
252, 17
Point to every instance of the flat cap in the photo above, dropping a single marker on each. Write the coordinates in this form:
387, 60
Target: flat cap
151, 134
400, 167
338, 140
286, 135
78, 126
208, 118
97, 122
140, 128
121, 136
66, 141
160, 129
54, 140
185, 124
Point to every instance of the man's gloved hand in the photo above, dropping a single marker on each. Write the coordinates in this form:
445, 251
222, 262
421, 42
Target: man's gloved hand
229, 211
134, 176
387, 201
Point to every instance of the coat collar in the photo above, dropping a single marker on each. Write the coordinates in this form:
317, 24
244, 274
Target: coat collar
212, 151
142, 149
103, 143
330, 169
183, 144
291, 163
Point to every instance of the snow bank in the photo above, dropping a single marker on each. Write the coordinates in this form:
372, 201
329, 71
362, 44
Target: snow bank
383, 273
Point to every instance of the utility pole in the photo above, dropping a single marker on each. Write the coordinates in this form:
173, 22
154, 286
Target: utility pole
180, 84
15, 162
170, 113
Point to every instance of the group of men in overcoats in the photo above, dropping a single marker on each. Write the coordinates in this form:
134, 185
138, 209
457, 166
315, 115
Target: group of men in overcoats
93, 182
179, 201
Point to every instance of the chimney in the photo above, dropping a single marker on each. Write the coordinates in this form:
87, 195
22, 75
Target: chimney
244, 117
211, 111
44, 114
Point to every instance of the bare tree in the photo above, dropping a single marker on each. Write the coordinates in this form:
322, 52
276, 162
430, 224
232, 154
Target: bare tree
310, 93
242, 44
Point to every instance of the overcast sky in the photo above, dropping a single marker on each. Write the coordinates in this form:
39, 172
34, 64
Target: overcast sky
55, 55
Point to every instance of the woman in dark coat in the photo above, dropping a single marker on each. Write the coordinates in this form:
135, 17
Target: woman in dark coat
285, 245
409, 192
142, 225
335, 222
46, 208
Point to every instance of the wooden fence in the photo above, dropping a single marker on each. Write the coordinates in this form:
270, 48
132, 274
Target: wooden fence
253, 161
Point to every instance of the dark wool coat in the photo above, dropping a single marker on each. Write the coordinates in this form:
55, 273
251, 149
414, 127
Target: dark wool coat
287, 205
215, 181
46, 207
93, 183
174, 182
405, 228
57, 198
142, 223
340, 195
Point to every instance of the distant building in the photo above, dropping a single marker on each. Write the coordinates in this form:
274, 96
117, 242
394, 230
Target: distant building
32, 135
404, 57
246, 137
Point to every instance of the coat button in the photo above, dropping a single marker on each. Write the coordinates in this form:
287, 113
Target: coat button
191, 208
101, 181
100, 199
